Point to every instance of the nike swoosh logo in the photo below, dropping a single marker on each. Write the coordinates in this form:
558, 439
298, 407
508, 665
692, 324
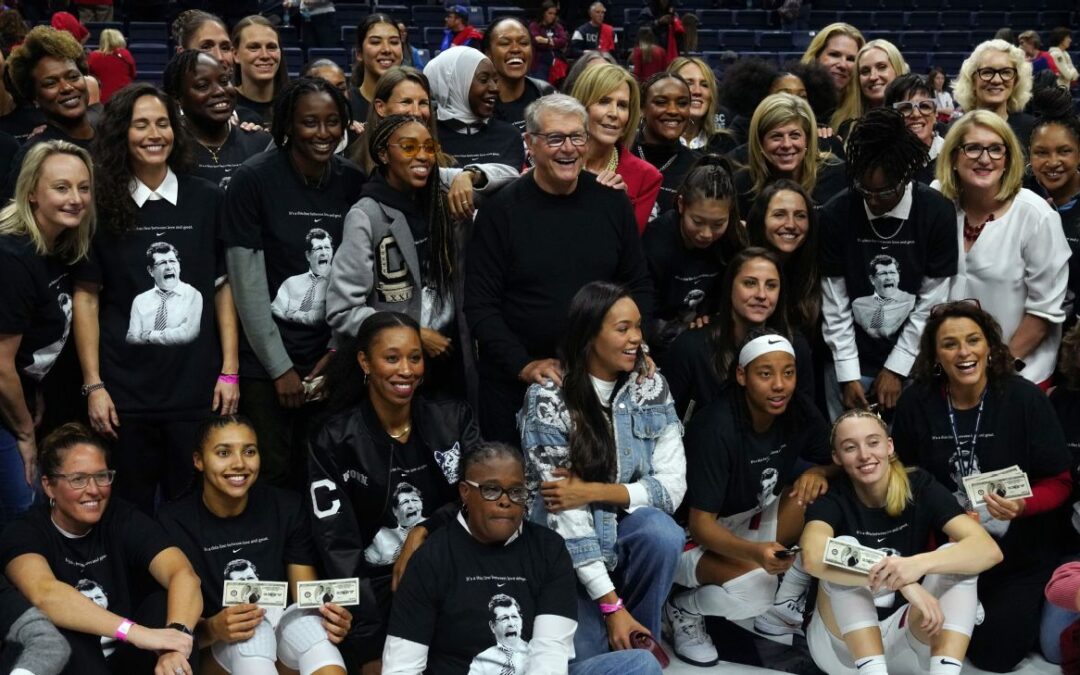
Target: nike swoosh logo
499, 585
160, 234
858, 666
774, 342
950, 663
880, 539
318, 220
237, 550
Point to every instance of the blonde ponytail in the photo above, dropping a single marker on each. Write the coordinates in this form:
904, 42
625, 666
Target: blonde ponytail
898, 492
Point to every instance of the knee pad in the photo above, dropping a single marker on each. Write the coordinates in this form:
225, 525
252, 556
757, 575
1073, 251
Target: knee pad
254, 656
852, 606
303, 644
686, 568
743, 597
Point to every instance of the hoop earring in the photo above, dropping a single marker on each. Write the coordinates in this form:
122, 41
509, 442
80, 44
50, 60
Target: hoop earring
365, 377
52, 502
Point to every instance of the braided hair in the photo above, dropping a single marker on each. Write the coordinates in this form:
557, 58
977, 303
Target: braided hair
172, 80
710, 177
285, 105
433, 206
881, 140
1054, 105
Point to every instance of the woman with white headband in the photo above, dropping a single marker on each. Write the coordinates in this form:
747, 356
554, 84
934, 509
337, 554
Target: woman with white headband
743, 451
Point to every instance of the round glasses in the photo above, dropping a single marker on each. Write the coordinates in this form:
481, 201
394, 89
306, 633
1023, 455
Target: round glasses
909, 108
491, 493
988, 74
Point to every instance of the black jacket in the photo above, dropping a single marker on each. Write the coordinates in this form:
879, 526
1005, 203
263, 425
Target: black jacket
349, 464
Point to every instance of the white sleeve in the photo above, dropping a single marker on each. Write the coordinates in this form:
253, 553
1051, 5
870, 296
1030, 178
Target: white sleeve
839, 328
1046, 268
668, 468
403, 657
932, 291
497, 175
594, 577
551, 646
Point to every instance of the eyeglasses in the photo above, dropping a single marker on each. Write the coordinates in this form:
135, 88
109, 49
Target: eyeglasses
491, 493
556, 140
80, 480
975, 151
908, 108
942, 308
411, 148
987, 74
885, 194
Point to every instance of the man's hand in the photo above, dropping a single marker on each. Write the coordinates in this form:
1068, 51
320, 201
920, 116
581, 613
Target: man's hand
853, 395
290, 389
540, 371
886, 388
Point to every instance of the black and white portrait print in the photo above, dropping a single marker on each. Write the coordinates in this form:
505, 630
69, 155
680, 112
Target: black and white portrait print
883, 313
94, 591
511, 652
241, 570
44, 358
302, 298
170, 312
407, 505
770, 479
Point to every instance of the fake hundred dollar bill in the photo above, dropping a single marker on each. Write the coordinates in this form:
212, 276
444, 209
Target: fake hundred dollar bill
851, 557
261, 593
312, 594
1010, 483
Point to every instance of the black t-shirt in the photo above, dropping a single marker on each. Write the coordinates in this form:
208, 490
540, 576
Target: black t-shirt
496, 142
254, 111
930, 508
1018, 426
458, 594
272, 533
110, 564
358, 104
688, 368
673, 163
270, 208
514, 111
158, 283
36, 305
22, 121
831, 180
238, 148
683, 277
50, 133
732, 470
9, 147
884, 262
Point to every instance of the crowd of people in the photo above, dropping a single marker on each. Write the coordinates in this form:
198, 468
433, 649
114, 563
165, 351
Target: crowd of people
551, 374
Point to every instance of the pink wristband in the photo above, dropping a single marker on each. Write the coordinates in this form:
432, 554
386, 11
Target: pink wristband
228, 379
122, 631
608, 609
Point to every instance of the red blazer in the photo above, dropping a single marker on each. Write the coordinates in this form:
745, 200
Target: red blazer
642, 184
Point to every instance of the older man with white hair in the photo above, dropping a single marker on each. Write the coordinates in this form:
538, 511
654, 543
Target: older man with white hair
536, 243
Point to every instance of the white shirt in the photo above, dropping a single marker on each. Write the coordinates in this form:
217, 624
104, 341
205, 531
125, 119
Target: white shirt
1018, 266
169, 190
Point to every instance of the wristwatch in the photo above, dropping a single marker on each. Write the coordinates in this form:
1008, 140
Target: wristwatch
176, 625
87, 389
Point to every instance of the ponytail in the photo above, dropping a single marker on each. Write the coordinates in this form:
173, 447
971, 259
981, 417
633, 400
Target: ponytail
898, 493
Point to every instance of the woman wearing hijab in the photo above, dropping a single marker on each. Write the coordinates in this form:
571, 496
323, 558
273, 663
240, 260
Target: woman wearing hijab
466, 86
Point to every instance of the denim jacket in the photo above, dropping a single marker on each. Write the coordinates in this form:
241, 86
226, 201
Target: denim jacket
650, 462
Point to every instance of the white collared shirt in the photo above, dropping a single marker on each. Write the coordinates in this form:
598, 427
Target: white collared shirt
169, 190
902, 209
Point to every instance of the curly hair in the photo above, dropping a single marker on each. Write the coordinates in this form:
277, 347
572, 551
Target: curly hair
881, 140
113, 171
999, 362
820, 92
41, 42
746, 84
964, 87
288, 98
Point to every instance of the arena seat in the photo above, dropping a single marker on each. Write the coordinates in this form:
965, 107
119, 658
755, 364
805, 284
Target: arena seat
147, 31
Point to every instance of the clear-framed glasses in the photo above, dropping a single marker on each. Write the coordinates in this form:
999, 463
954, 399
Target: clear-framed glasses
411, 148
884, 194
556, 140
975, 150
988, 74
80, 480
491, 493
926, 107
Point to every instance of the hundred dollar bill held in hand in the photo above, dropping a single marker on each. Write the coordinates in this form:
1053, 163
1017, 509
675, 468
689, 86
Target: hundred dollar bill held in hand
1009, 483
312, 594
851, 557
261, 593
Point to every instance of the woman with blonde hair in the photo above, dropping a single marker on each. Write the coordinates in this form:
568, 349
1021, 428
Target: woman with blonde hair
783, 143
835, 47
997, 77
1013, 255
876, 503
111, 63
877, 64
613, 102
45, 229
703, 129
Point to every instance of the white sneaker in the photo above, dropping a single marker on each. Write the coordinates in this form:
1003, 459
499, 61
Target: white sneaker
689, 639
785, 618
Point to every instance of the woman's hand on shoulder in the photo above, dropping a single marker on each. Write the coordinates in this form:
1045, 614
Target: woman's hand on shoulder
809, 486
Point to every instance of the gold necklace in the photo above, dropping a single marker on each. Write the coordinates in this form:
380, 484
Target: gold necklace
407, 429
613, 163
213, 149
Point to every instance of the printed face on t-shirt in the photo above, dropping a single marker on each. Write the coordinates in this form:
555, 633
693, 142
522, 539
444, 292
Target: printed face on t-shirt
319, 255
885, 278
506, 621
94, 591
241, 570
409, 507
165, 270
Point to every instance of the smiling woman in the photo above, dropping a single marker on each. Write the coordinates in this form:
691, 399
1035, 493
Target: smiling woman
150, 287
260, 71
509, 46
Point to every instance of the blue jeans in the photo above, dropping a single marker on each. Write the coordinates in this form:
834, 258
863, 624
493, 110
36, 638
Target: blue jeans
648, 547
1054, 621
626, 662
15, 495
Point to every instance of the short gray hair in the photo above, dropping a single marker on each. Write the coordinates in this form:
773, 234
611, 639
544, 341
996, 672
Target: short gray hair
560, 104
593, 6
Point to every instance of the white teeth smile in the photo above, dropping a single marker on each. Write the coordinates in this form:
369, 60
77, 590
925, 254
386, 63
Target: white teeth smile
967, 365
322, 147
90, 504
236, 480
515, 61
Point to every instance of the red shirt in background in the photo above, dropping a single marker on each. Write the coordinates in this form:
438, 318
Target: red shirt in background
114, 70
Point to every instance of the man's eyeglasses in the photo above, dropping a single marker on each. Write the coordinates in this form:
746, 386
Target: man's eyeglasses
885, 194
556, 140
1006, 74
944, 307
491, 493
975, 150
411, 148
80, 480
909, 108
